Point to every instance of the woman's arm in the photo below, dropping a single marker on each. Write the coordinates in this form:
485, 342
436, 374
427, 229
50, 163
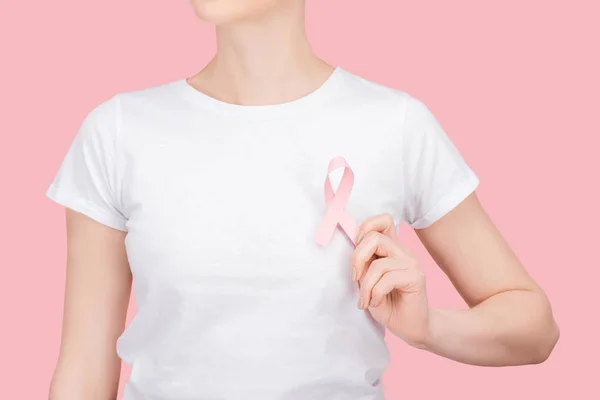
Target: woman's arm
509, 320
98, 286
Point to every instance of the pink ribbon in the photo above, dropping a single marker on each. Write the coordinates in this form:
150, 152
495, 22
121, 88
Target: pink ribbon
336, 213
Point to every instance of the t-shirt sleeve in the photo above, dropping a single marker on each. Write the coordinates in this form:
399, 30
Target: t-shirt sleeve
87, 179
436, 176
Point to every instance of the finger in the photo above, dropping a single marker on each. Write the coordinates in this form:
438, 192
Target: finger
367, 263
374, 243
376, 270
382, 223
407, 281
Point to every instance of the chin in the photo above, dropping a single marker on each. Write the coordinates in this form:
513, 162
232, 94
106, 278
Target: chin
221, 12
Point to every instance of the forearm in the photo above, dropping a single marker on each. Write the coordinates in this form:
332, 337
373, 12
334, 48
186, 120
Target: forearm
511, 328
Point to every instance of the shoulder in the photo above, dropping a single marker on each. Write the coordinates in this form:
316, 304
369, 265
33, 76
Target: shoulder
368, 92
103, 123
359, 87
150, 97
110, 108
114, 115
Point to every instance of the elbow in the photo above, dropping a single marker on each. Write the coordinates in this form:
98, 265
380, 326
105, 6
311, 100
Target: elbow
545, 344
547, 334
531, 340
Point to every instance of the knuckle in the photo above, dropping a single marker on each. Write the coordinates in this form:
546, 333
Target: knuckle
355, 258
365, 291
388, 217
372, 236
384, 266
377, 292
378, 267
372, 274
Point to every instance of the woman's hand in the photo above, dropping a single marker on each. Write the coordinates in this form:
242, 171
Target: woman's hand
509, 320
392, 287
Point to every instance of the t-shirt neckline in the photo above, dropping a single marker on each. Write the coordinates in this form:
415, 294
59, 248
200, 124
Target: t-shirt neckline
312, 99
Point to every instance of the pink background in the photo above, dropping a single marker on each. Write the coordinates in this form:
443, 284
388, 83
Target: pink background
514, 83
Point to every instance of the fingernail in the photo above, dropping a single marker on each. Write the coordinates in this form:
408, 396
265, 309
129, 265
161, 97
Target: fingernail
360, 302
359, 236
353, 274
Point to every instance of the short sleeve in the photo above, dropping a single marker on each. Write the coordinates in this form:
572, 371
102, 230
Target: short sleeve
87, 179
436, 176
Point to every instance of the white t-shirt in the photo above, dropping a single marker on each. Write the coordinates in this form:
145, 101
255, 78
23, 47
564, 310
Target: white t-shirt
221, 203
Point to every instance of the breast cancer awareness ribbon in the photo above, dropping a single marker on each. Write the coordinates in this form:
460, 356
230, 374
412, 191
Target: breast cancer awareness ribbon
336, 213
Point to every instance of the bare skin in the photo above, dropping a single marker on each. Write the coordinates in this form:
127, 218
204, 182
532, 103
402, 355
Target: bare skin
97, 291
509, 320
263, 57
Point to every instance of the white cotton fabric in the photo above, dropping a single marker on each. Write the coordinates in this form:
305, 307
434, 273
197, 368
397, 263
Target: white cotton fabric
221, 203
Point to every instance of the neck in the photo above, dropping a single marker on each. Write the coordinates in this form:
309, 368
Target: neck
266, 59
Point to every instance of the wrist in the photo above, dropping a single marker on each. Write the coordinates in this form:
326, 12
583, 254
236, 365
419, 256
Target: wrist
447, 328
430, 337
422, 336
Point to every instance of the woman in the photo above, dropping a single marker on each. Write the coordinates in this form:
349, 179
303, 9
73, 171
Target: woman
209, 192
